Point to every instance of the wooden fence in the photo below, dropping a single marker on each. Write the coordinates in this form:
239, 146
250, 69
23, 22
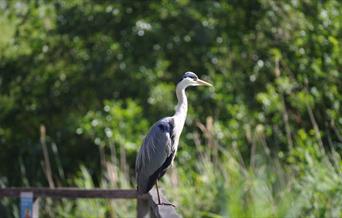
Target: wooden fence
147, 205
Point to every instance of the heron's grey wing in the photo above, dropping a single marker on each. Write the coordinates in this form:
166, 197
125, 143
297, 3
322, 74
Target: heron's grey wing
155, 154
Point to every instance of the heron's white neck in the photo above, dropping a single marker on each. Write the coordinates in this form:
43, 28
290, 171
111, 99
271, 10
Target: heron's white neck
182, 106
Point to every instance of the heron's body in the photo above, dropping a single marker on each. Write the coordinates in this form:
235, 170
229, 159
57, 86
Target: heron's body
160, 145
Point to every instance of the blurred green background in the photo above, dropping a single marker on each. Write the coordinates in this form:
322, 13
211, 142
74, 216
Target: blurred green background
265, 142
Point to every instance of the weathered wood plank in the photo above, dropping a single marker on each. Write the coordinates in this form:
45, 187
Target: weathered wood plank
151, 199
72, 193
161, 211
143, 208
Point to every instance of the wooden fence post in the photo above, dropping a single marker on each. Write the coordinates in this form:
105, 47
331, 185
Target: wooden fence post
161, 211
142, 208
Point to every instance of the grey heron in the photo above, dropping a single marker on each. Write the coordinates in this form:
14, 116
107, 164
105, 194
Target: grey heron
160, 145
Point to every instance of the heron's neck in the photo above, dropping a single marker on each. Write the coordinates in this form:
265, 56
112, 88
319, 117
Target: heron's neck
182, 106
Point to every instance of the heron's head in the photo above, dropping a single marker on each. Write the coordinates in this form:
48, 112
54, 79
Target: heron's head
191, 79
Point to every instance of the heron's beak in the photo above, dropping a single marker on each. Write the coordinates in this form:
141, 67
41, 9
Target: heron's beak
203, 83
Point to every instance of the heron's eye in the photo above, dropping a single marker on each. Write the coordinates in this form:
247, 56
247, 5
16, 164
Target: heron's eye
191, 77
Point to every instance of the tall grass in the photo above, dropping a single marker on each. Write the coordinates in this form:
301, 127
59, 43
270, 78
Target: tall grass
310, 186
270, 188
113, 178
299, 184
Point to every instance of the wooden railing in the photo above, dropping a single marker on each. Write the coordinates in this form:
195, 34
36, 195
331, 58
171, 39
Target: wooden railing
147, 205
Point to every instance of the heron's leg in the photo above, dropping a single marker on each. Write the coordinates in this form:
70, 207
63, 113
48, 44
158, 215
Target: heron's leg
159, 202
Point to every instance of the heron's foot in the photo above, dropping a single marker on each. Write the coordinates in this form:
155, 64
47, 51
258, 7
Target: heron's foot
167, 204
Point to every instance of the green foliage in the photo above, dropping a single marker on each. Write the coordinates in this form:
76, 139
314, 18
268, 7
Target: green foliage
118, 123
97, 74
232, 189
